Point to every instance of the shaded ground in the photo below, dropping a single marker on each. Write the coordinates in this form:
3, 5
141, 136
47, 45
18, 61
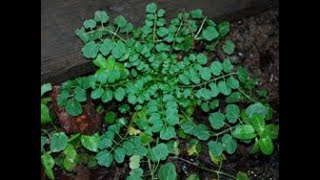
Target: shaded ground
257, 42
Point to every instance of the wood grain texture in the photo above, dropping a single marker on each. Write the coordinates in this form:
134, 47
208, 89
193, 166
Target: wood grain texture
61, 57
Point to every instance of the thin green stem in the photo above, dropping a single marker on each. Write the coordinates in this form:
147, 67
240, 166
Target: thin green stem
224, 131
150, 165
109, 31
115, 33
46, 132
74, 137
204, 20
211, 80
154, 29
246, 95
204, 168
175, 37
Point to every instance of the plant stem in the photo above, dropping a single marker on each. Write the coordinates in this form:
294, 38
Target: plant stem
150, 165
109, 31
204, 168
46, 132
246, 95
215, 79
189, 27
74, 137
154, 29
175, 37
224, 131
204, 20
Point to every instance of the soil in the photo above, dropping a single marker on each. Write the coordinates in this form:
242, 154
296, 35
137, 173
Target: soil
257, 42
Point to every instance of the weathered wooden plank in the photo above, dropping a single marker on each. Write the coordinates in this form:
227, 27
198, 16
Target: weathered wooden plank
61, 57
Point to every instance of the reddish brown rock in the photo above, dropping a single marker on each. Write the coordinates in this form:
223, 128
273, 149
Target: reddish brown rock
87, 123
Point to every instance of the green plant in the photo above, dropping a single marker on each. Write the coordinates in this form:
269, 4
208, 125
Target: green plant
158, 75
45, 114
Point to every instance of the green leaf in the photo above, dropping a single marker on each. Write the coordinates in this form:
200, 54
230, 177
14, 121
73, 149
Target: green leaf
162, 31
104, 158
257, 108
228, 47
119, 155
161, 12
45, 115
216, 120
184, 79
210, 33
193, 177
173, 147
223, 88
80, 94
255, 147
205, 73
89, 24
214, 104
270, 130
202, 59
97, 93
48, 163
151, 8
201, 132
214, 91
135, 174
119, 50
101, 16
233, 97
159, 152
215, 148
105, 142
242, 176
188, 126
106, 46
258, 123
224, 28
100, 61
58, 142
162, 47
45, 88
91, 142
266, 145
128, 147
232, 113
229, 143
196, 14
216, 68
167, 133
244, 132
242, 74
119, 94
233, 82
167, 172
120, 21
44, 141
81, 33
90, 50
134, 162
107, 96
124, 108
205, 93
110, 117
227, 65
70, 158
205, 107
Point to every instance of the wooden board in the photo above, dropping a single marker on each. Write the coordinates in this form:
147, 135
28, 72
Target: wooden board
61, 57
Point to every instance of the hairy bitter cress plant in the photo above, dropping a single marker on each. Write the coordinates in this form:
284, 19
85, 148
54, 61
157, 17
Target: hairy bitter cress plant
158, 75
